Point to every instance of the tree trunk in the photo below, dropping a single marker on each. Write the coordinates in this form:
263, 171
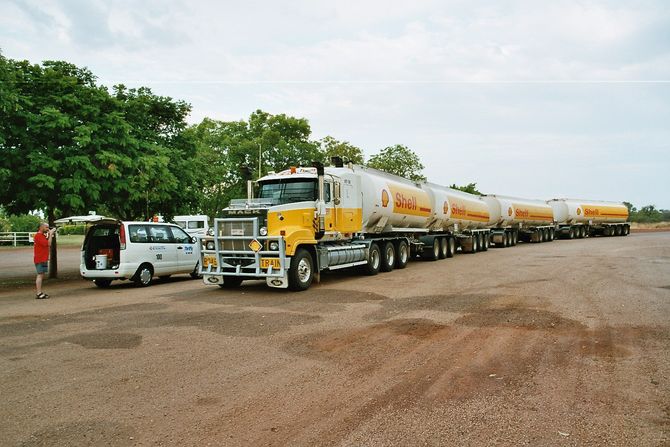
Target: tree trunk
53, 251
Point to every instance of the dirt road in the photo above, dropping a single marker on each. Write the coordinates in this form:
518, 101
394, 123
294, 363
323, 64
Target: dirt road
562, 343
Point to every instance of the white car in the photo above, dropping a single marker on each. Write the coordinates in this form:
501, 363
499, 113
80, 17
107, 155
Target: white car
138, 251
195, 225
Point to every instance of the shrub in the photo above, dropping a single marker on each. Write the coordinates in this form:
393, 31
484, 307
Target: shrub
66, 230
24, 222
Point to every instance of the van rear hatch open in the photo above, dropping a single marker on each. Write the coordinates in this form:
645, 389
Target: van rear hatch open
104, 239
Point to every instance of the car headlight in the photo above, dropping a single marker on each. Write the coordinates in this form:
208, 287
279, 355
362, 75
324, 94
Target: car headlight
274, 245
210, 245
263, 231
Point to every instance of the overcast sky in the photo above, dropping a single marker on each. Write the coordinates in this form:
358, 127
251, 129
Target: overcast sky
529, 98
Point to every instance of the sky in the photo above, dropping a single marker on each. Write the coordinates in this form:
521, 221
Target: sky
526, 98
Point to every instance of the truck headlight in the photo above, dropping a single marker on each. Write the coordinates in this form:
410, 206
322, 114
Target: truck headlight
263, 231
209, 245
274, 245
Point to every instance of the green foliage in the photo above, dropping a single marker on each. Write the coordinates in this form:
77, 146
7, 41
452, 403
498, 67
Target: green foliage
648, 214
67, 230
470, 188
224, 146
24, 222
67, 145
398, 160
335, 148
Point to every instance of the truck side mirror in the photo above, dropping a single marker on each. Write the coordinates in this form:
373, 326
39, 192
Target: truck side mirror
337, 193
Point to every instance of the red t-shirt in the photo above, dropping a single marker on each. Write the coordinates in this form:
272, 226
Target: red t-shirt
41, 253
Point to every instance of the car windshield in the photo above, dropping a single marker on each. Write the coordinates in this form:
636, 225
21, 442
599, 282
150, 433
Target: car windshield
288, 191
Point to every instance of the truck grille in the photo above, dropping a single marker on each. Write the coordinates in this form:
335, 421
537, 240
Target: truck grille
242, 228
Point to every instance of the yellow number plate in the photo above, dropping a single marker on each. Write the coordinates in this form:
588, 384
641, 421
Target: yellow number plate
208, 260
267, 262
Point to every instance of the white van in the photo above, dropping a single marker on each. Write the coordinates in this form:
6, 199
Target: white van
137, 251
195, 225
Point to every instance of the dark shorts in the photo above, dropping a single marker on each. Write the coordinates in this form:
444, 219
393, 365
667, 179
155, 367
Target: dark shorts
42, 267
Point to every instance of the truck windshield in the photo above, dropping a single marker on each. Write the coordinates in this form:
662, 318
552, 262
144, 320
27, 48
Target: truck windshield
288, 191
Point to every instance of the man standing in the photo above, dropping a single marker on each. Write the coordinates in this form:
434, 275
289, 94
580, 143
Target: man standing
42, 242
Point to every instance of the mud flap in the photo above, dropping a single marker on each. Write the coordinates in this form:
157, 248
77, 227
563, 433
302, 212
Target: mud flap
278, 282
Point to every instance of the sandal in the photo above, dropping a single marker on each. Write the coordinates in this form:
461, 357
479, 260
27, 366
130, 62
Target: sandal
42, 296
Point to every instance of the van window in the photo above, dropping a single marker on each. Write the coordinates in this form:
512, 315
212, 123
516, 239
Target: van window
181, 223
159, 233
138, 233
195, 224
179, 236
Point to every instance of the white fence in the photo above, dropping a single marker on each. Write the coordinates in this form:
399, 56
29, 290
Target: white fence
15, 238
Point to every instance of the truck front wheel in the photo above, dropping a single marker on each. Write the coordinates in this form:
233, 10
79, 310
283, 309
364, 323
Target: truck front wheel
301, 272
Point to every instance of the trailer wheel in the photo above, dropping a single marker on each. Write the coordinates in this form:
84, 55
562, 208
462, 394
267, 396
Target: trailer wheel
485, 245
618, 231
388, 257
626, 230
402, 254
552, 235
475, 244
444, 248
515, 238
451, 247
432, 252
571, 234
301, 272
231, 282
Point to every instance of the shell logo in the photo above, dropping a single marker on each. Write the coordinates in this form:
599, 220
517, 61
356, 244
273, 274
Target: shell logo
579, 211
385, 198
510, 211
445, 209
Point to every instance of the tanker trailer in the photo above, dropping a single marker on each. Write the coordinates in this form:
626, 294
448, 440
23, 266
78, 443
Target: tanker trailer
577, 218
514, 218
463, 216
307, 220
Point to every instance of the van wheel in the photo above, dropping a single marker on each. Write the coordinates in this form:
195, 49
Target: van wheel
144, 275
230, 282
402, 255
301, 272
374, 260
194, 274
388, 257
102, 283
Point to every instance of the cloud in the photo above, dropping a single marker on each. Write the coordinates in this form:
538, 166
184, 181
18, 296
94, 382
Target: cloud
553, 98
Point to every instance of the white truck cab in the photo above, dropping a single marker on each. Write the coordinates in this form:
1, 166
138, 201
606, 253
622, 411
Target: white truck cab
138, 251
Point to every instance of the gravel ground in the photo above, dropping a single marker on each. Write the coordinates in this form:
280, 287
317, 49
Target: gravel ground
562, 343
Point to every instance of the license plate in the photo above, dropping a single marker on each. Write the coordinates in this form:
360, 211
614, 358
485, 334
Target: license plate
208, 260
267, 262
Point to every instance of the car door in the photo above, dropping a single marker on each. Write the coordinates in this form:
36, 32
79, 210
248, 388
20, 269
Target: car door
186, 255
162, 249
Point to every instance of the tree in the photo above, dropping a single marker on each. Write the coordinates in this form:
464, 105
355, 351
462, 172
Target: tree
398, 160
151, 160
631, 207
470, 188
343, 149
264, 143
68, 146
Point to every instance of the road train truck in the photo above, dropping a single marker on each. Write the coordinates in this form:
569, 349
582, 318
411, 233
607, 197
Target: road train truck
577, 218
514, 219
305, 220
